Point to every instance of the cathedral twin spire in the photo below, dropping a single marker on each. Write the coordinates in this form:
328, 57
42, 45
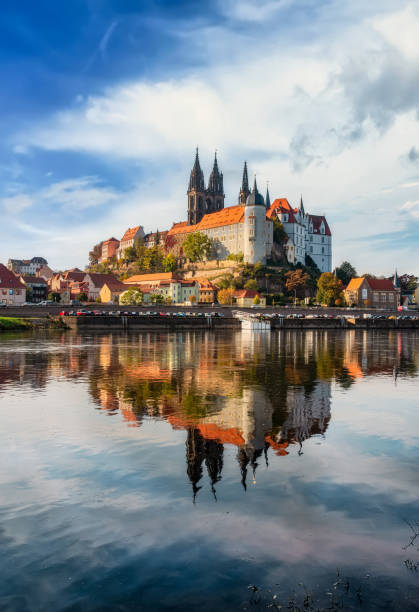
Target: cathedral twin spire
197, 182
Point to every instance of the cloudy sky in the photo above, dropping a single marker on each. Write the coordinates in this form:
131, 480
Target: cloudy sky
104, 101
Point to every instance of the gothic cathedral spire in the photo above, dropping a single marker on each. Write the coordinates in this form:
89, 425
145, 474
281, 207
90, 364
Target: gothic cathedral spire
215, 184
244, 191
268, 197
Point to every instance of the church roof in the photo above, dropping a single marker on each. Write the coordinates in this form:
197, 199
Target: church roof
226, 216
130, 233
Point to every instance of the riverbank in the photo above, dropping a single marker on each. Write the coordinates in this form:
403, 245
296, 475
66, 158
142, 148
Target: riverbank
14, 323
27, 323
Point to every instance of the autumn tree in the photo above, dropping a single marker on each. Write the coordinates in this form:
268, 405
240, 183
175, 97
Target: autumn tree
296, 280
169, 263
131, 297
197, 247
192, 299
329, 290
225, 296
251, 284
256, 300
95, 254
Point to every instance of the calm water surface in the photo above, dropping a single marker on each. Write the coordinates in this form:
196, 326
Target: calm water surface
210, 471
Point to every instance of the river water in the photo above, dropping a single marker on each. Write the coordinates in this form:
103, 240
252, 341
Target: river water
209, 471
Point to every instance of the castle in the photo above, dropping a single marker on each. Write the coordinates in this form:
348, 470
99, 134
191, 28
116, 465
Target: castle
246, 228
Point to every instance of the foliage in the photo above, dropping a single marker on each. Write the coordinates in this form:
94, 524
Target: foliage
95, 254
225, 296
251, 284
192, 299
169, 263
13, 323
83, 297
29, 294
131, 297
197, 247
408, 282
329, 289
296, 280
279, 233
157, 298
238, 257
226, 281
169, 300
130, 254
256, 300
54, 296
345, 272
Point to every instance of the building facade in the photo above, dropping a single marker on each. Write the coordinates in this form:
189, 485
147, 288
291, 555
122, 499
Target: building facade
12, 289
128, 239
375, 292
38, 288
26, 266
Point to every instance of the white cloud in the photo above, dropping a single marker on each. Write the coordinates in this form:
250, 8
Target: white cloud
412, 208
401, 30
16, 204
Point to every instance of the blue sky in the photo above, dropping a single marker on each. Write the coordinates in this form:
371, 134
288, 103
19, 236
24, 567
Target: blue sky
104, 101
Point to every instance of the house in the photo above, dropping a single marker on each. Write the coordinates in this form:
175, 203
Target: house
109, 249
155, 239
246, 297
375, 292
128, 239
38, 286
179, 291
95, 282
149, 279
111, 291
12, 289
207, 291
45, 272
60, 282
26, 266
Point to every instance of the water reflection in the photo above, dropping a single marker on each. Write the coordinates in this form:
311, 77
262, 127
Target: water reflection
170, 471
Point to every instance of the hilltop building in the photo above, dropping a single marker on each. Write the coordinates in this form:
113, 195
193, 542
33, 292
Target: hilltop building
26, 266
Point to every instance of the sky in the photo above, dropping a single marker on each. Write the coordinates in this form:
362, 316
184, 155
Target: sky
104, 102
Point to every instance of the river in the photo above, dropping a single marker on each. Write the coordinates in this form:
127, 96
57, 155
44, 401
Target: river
209, 470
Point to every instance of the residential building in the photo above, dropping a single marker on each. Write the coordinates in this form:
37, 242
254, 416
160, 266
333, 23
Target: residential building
94, 283
26, 266
207, 291
375, 292
245, 298
45, 272
149, 279
111, 291
38, 286
61, 282
109, 249
12, 289
155, 239
128, 239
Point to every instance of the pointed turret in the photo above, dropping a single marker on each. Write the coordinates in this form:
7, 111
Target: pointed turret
255, 198
215, 184
244, 191
196, 193
268, 197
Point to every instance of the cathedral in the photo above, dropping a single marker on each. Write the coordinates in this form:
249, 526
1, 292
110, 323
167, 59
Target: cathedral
247, 227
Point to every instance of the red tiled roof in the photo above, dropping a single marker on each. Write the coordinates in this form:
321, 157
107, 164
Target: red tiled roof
138, 278
36, 280
226, 216
99, 280
9, 279
380, 284
74, 275
245, 293
317, 220
281, 205
130, 233
110, 240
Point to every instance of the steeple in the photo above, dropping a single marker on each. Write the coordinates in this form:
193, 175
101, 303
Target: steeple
268, 198
215, 184
396, 282
302, 206
244, 191
196, 181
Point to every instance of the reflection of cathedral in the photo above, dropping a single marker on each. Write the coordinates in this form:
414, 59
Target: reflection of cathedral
264, 394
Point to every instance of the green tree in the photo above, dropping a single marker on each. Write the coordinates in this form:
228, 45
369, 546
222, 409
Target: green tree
197, 247
131, 297
157, 298
226, 281
169, 263
296, 280
279, 232
29, 294
329, 289
251, 284
407, 282
345, 272
130, 254
256, 300
83, 297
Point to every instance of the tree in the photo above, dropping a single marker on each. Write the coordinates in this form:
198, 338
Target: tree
329, 289
95, 254
256, 300
169, 263
345, 272
29, 294
157, 298
296, 280
238, 257
251, 284
197, 247
225, 296
54, 296
192, 299
279, 233
130, 254
169, 300
131, 297
83, 297
407, 282
226, 281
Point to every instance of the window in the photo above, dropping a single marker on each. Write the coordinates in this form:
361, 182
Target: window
322, 238
391, 297
375, 297
383, 297
322, 250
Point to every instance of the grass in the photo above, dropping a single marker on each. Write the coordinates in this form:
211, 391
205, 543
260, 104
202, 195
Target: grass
10, 323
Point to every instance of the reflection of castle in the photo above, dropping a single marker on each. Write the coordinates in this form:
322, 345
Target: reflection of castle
261, 393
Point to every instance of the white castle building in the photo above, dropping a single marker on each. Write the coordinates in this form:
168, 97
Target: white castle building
247, 228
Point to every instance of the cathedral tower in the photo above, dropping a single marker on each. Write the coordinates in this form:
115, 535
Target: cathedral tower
196, 193
215, 191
